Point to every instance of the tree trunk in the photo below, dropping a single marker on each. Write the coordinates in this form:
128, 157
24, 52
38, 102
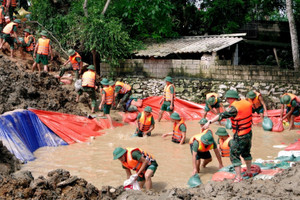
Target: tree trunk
105, 7
85, 9
293, 32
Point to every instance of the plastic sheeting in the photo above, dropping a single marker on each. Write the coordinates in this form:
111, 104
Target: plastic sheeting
293, 146
73, 128
22, 133
189, 111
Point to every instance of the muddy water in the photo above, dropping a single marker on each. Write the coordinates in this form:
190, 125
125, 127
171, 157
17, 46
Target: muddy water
93, 160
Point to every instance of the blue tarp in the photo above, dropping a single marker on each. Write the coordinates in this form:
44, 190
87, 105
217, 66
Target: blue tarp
22, 132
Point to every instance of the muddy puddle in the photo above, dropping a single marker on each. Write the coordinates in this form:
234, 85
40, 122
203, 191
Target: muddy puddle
93, 160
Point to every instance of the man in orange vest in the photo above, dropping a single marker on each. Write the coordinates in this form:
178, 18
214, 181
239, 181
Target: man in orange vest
223, 142
107, 99
258, 104
145, 123
138, 160
179, 129
11, 6
200, 145
89, 85
122, 94
29, 42
240, 114
76, 64
292, 103
212, 101
168, 98
10, 35
41, 52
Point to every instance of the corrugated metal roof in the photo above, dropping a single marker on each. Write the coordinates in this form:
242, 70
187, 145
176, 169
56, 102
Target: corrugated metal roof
191, 44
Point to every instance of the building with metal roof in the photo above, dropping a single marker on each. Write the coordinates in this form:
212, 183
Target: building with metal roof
191, 45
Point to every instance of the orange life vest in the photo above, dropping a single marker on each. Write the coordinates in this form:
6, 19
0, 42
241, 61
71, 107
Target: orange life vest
293, 97
242, 122
167, 92
145, 122
43, 47
8, 29
212, 94
13, 3
255, 102
132, 164
73, 61
224, 146
88, 79
125, 87
109, 95
2, 19
201, 147
177, 134
31, 47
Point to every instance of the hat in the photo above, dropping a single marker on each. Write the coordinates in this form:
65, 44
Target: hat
285, 99
71, 52
26, 30
169, 79
104, 81
175, 116
148, 109
44, 33
221, 132
92, 67
111, 83
17, 21
232, 94
251, 95
203, 121
211, 100
207, 139
118, 152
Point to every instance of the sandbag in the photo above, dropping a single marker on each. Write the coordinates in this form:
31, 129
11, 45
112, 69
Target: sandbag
267, 124
220, 176
278, 126
228, 124
194, 181
131, 184
78, 85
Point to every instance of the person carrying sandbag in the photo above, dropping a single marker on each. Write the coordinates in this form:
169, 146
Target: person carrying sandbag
292, 103
200, 146
138, 160
240, 114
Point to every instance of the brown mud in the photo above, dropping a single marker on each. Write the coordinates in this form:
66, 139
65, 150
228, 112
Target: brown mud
23, 89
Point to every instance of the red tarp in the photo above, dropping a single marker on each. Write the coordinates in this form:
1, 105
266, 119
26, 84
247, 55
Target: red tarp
188, 110
73, 128
294, 146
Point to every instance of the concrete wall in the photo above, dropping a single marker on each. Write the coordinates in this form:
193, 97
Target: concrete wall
210, 69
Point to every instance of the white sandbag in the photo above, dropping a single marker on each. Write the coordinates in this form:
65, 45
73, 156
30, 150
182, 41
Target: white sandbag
285, 153
77, 85
130, 184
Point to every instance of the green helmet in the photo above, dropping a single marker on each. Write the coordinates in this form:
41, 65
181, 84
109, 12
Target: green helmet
221, 132
169, 79
17, 21
203, 121
175, 116
27, 30
92, 67
44, 33
104, 81
148, 109
286, 99
118, 152
207, 139
211, 100
251, 95
71, 52
232, 94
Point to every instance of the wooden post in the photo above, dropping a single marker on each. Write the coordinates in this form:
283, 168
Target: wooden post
276, 57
